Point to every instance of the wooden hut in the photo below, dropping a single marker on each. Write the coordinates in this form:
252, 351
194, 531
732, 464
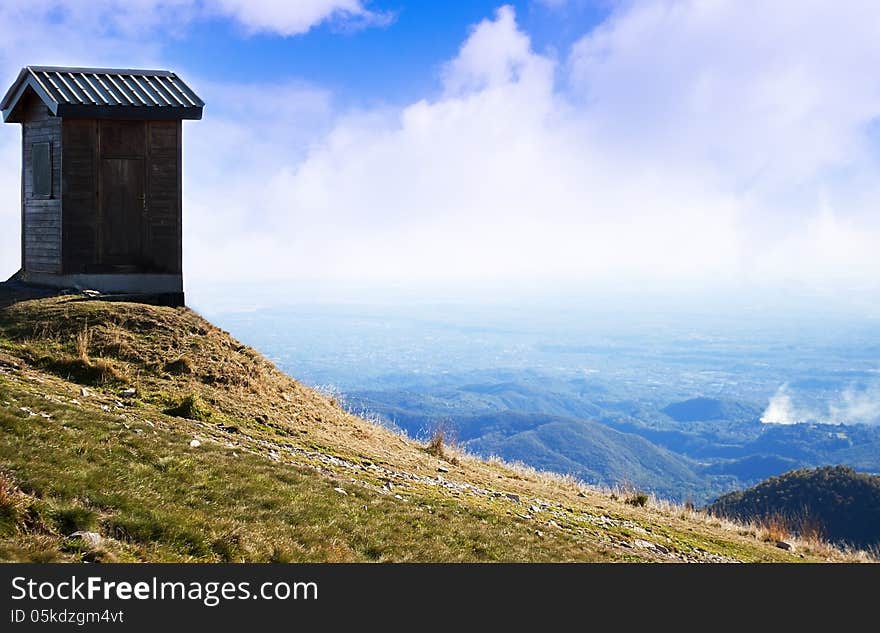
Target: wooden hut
101, 185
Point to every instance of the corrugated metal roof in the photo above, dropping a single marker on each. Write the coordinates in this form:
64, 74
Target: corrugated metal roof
111, 93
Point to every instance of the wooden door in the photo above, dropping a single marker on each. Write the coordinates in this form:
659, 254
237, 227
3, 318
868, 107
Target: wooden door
122, 210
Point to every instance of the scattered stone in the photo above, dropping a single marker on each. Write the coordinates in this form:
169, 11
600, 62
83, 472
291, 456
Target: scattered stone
91, 294
340, 491
582, 494
45, 415
534, 509
131, 392
539, 534
194, 444
92, 539
74, 401
105, 407
785, 545
441, 469
84, 392
398, 497
644, 544
552, 523
512, 497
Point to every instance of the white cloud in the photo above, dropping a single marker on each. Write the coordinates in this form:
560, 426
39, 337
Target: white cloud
294, 18
851, 406
713, 140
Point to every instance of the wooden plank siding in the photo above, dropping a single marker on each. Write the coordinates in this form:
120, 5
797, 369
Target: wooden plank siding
72, 230
88, 144
79, 196
41, 216
164, 226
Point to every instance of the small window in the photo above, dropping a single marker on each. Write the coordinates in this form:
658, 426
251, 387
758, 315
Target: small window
41, 157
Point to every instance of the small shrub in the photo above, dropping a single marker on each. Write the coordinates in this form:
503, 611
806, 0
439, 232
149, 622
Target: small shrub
82, 371
774, 528
179, 367
638, 499
82, 341
810, 529
191, 407
436, 445
73, 519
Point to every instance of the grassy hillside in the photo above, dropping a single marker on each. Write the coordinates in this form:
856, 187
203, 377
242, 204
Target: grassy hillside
171, 440
837, 502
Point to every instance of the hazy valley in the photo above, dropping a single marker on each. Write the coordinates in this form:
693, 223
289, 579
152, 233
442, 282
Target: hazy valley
685, 405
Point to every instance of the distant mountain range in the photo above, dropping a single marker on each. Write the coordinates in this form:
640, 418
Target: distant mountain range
695, 449
842, 504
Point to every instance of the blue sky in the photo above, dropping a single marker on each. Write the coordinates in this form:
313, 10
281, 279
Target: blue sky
613, 141
397, 63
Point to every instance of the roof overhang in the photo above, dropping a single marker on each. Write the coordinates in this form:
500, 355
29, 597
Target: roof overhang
172, 98
16, 92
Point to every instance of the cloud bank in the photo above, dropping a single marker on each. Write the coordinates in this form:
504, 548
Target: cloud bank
851, 406
679, 140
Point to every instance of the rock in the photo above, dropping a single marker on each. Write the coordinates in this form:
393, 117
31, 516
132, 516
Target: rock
440, 469
131, 392
512, 497
340, 491
92, 539
785, 545
539, 534
644, 544
194, 444
582, 494
74, 401
91, 293
84, 392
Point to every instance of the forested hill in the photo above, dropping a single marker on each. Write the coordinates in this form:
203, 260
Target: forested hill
838, 502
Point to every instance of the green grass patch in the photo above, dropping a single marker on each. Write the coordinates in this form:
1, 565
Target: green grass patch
191, 407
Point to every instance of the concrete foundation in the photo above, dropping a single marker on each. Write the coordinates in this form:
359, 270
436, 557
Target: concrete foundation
163, 289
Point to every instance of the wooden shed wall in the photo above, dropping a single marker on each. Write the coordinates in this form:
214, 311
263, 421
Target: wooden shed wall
79, 196
164, 195
154, 144
41, 217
